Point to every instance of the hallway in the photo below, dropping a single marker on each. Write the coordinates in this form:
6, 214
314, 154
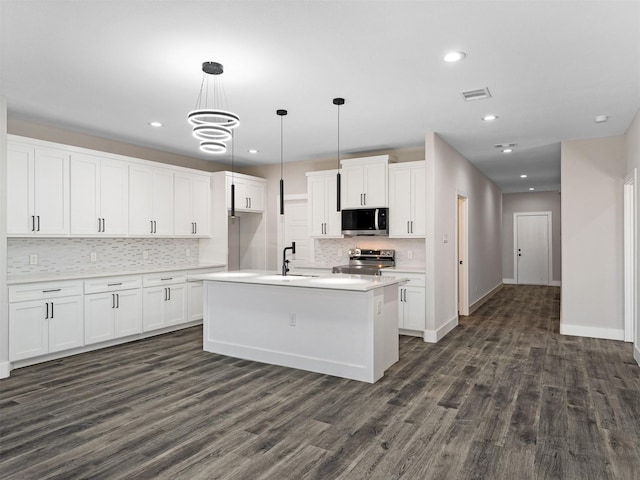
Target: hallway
503, 396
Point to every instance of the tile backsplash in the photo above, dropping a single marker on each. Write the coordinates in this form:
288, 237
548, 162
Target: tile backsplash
327, 250
73, 255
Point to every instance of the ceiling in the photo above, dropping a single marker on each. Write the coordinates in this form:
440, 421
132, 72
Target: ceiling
108, 68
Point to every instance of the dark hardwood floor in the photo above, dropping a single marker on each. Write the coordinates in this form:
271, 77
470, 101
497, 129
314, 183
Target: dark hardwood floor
503, 396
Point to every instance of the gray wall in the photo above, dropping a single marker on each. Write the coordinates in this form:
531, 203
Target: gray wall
530, 202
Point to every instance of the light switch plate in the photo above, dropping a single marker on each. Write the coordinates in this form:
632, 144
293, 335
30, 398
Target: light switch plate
33, 259
445, 238
94, 257
409, 254
145, 254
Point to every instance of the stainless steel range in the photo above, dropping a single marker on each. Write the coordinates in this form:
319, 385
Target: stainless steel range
367, 262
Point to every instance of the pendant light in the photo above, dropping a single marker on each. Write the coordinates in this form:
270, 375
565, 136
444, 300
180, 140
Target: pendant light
233, 186
338, 102
281, 113
212, 124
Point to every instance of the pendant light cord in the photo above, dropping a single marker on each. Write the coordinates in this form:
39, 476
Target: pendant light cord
281, 147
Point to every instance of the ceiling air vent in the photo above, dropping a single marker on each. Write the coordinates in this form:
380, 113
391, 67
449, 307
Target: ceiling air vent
477, 94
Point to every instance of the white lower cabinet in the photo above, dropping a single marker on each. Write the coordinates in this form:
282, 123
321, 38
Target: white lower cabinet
48, 322
196, 310
164, 300
112, 315
411, 301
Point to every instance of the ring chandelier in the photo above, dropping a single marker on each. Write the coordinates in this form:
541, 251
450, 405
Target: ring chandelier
212, 125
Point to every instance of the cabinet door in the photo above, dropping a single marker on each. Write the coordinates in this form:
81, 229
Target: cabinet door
98, 322
140, 200
240, 195
162, 201
114, 197
128, 314
153, 299
375, 180
419, 202
196, 305
176, 305
414, 308
201, 196
51, 192
352, 186
85, 194
19, 189
183, 205
66, 323
28, 329
333, 219
400, 202
317, 206
255, 194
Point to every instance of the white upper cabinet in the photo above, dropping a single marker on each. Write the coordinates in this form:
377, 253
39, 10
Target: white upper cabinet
150, 201
407, 199
37, 191
192, 205
364, 182
249, 192
324, 219
99, 196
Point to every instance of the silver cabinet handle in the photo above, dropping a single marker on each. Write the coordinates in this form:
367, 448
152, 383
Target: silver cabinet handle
117, 300
51, 309
165, 294
114, 284
113, 300
411, 226
39, 230
104, 225
169, 288
33, 223
364, 195
99, 225
47, 315
408, 227
51, 290
166, 278
151, 221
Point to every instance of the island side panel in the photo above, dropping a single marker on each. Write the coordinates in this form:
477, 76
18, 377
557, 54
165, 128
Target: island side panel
333, 332
387, 348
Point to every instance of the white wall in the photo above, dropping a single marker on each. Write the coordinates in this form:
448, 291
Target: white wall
4, 304
449, 174
633, 162
593, 174
530, 202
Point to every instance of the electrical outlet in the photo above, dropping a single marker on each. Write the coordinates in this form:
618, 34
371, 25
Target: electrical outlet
33, 259
445, 238
187, 252
292, 319
145, 254
409, 254
94, 257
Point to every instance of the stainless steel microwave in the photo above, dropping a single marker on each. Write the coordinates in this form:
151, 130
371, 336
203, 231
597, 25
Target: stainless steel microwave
365, 221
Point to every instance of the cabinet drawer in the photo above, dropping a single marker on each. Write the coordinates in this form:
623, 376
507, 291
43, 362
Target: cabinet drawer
413, 279
38, 291
111, 284
164, 278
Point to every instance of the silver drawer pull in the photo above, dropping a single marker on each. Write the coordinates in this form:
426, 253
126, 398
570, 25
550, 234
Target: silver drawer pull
113, 284
52, 290
167, 278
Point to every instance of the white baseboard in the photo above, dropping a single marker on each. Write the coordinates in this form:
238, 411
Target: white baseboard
478, 303
592, 332
5, 369
636, 354
509, 281
555, 283
434, 336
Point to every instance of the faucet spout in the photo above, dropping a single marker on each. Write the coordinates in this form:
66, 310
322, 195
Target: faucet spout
285, 262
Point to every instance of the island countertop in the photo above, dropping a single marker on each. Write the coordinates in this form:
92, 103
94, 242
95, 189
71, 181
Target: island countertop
336, 281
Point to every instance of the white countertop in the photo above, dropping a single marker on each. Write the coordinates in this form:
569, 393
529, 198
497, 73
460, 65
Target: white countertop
405, 270
337, 281
53, 277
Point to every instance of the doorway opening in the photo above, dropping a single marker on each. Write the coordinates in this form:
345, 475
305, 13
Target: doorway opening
532, 252
462, 241
630, 256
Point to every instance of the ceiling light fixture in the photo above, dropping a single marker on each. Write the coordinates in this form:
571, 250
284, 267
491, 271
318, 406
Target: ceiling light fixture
523, 176
212, 124
338, 102
452, 57
531, 188
601, 118
155, 124
507, 150
490, 118
282, 114
252, 151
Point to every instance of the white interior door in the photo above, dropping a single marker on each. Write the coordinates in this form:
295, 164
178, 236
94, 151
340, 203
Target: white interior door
630, 259
293, 227
533, 248
463, 267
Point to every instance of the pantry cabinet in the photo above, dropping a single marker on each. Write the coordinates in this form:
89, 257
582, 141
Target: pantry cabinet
45, 318
407, 200
364, 182
99, 196
324, 218
150, 201
37, 191
192, 205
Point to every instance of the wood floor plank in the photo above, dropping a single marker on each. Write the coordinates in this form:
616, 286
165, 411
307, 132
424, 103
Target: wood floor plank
503, 396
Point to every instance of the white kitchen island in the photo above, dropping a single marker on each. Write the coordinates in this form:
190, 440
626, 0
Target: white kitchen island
342, 325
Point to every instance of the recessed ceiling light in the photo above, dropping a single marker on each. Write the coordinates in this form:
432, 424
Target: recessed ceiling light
454, 56
155, 124
490, 117
507, 150
531, 188
252, 150
601, 118
523, 176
